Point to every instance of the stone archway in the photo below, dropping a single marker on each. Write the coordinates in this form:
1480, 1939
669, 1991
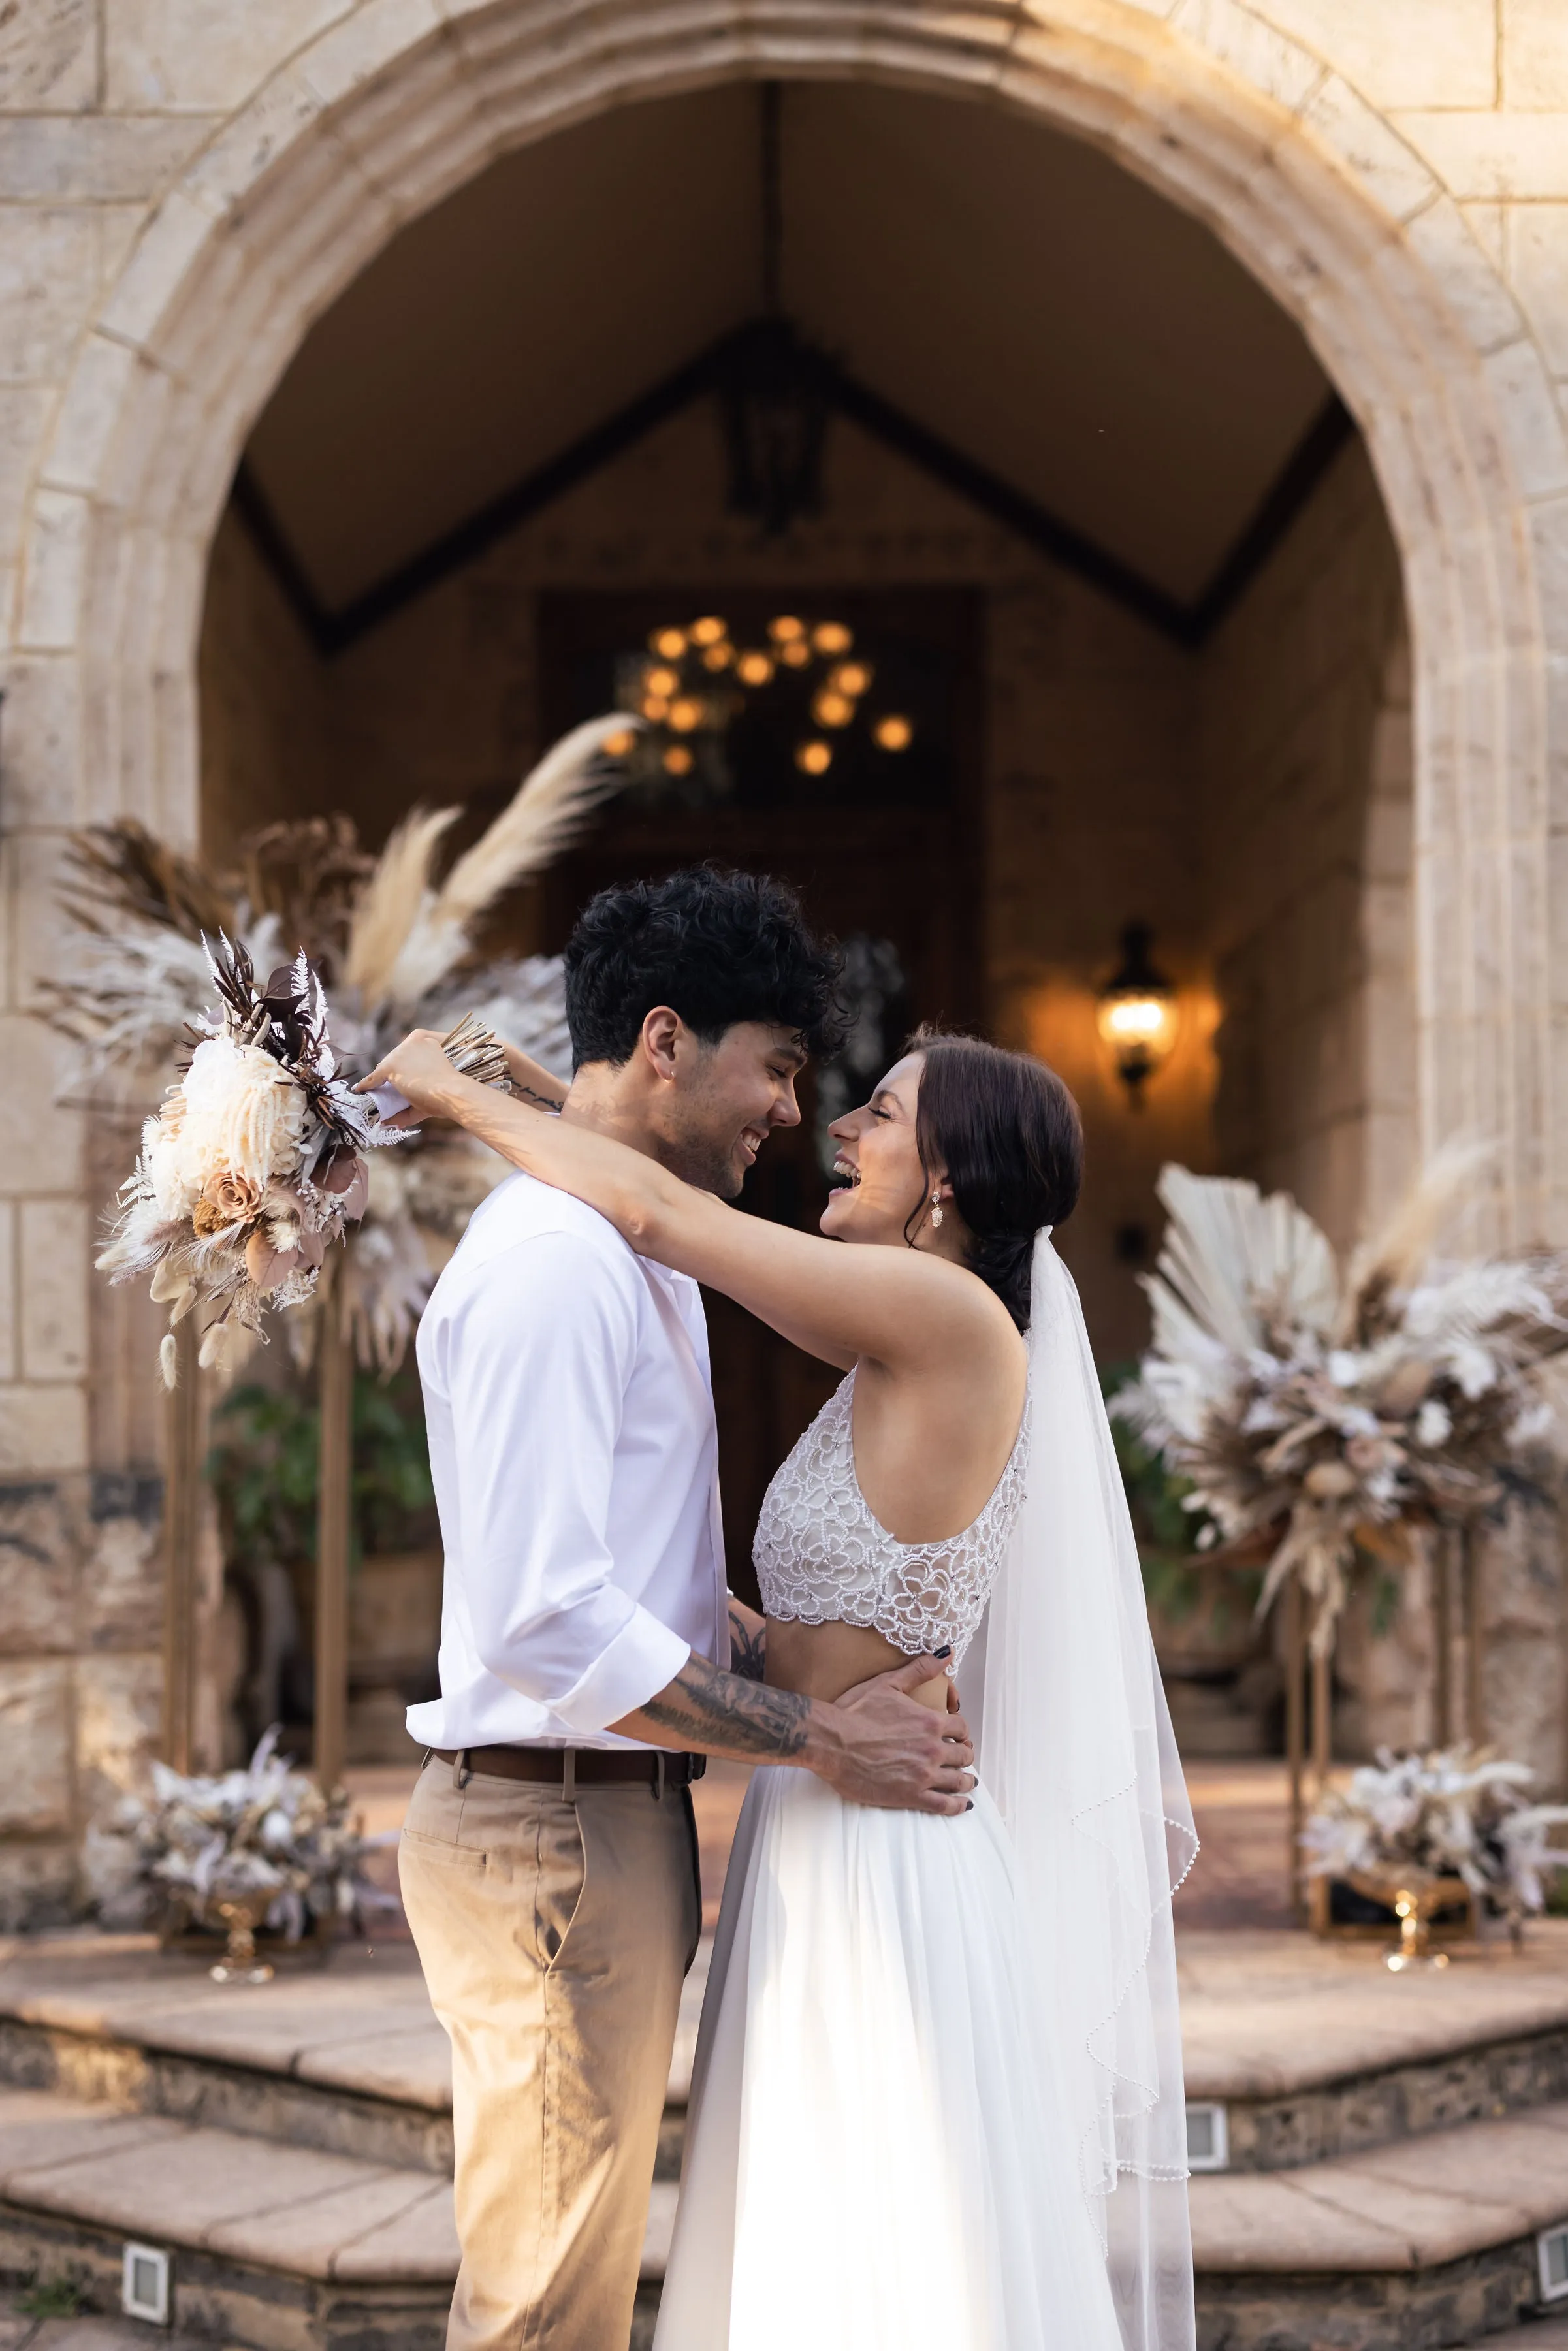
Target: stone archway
376, 120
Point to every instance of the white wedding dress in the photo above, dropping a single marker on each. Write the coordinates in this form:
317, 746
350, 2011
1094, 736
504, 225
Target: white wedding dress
900, 2128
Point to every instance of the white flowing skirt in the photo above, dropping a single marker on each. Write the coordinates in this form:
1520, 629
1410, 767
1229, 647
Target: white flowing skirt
874, 2153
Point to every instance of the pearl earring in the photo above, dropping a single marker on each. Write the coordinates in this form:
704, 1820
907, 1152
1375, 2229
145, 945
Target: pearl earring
935, 1208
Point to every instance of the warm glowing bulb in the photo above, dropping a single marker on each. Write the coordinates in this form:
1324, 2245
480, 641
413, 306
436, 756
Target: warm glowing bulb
831, 709
851, 677
685, 714
832, 637
814, 759
668, 643
754, 669
677, 760
795, 653
718, 656
616, 746
1138, 1019
707, 631
894, 733
655, 706
661, 680
786, 629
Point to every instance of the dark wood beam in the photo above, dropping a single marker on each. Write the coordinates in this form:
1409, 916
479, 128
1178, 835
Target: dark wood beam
330, 629
1302, 471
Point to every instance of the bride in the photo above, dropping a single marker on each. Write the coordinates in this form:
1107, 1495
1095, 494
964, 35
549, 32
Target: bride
937, 2091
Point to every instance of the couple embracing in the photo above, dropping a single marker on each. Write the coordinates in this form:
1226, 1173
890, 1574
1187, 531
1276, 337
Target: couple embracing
938, 2091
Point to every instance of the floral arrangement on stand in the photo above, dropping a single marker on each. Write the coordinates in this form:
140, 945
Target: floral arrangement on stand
248, 1850
1410, 1823
394, 947
1317, 1410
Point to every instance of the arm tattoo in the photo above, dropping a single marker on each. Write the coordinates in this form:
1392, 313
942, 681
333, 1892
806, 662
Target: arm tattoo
747, 1650
713, 1709
545, 1102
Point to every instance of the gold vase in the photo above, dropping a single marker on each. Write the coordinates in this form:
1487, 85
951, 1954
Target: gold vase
1416, 1897
239, 1963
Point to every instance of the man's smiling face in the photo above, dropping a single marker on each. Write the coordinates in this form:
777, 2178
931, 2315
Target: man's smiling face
728, 1097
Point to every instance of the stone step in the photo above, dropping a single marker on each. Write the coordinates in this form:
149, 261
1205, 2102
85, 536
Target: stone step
1315, 2051
348, 2059
273, 2246
1430, 2242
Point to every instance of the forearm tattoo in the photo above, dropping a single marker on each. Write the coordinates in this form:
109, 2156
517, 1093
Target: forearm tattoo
707, 1709
748, 1649
545, 1102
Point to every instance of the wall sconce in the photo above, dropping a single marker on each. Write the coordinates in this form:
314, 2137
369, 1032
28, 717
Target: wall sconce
1136, 1013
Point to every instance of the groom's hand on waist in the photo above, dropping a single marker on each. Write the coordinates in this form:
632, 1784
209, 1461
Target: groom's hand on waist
901, 1754
875, 1745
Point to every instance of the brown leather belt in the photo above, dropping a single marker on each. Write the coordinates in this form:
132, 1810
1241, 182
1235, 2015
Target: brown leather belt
593, 1766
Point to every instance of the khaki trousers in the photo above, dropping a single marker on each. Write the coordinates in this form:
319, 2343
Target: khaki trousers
554, 1938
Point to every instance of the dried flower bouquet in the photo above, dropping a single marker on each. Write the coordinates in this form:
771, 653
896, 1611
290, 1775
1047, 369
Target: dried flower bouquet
253, 1166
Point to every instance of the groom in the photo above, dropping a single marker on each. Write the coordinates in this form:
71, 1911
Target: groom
549, 1860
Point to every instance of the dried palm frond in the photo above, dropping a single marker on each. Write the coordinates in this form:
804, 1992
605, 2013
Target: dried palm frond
309, 872
120, 869
1395, 1257
130, 996
1239, 1263
550, 809
391, 902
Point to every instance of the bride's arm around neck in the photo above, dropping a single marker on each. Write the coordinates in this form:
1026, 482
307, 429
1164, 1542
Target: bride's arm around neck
907, 1309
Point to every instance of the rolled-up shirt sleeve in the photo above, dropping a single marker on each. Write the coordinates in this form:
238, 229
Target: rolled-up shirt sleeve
537, 1360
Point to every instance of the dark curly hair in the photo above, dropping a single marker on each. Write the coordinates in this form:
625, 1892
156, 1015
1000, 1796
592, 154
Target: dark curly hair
717, 947
1008, 1132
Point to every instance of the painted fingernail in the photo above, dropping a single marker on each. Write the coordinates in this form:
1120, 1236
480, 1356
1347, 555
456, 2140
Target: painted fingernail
945, 1652
970, 1805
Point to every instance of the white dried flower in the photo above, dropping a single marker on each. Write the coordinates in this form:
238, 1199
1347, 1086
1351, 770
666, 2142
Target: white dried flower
1433, 1422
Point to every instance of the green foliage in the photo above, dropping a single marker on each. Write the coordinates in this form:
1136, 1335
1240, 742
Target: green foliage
1166, 1532
55, 2297
264, 1463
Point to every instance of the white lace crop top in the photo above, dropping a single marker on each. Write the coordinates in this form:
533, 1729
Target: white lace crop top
821, 1558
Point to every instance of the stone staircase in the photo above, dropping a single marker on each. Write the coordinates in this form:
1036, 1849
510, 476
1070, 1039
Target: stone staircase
1395, 2144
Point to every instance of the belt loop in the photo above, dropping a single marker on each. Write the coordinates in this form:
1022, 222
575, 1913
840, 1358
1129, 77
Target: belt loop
568, 1774
658, 1775
461, 1774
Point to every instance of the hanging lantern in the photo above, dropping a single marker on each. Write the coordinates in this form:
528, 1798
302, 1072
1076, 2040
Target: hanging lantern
775, 419
1136, 1014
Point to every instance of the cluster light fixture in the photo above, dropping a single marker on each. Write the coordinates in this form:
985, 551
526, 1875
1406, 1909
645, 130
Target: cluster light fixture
694, 680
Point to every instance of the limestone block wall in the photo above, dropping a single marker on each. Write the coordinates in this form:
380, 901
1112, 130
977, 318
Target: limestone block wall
1304, 734
182, 188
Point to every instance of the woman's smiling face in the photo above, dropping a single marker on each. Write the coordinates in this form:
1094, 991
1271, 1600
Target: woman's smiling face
882, 1182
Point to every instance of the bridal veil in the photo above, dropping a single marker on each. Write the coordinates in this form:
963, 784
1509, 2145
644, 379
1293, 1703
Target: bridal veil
1075, 1746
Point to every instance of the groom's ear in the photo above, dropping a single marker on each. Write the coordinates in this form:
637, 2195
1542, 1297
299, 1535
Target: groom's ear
663, 1031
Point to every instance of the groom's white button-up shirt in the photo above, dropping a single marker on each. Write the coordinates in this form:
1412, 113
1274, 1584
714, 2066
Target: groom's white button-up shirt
575, 1460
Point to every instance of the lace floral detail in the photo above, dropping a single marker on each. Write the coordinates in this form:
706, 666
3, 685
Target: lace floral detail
822, 1559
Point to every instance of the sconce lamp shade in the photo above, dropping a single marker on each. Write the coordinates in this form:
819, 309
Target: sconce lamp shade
1137, 1012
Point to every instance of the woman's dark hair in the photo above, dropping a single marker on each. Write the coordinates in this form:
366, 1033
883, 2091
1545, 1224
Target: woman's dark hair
1008, 1132
715, 947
